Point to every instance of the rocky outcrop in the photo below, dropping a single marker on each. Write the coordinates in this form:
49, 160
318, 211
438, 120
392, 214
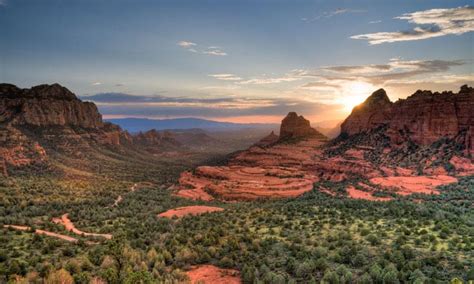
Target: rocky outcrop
46, 105
422, 118
294, 126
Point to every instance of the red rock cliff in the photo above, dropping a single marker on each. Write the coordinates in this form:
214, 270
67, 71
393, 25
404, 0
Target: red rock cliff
423, 117
46, 105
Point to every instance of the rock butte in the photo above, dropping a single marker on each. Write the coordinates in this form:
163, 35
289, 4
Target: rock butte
423, 117
189, 210
210, 274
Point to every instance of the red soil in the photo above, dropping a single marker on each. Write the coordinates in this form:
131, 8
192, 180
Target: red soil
42, 232
189, 210
210, 274
464, 166
67, 223
414, 184
359, 194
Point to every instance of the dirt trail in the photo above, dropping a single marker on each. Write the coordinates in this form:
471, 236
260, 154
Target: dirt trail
210, 274
67, 223
189, 210
119, 198
43, 232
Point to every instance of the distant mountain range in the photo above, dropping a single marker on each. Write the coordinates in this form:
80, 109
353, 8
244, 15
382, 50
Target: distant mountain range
144, 124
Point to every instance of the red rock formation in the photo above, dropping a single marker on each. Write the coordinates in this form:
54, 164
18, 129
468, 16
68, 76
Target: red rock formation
50, 117
294, 126
46, 105
423, 117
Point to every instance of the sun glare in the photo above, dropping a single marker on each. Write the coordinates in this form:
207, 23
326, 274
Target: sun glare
355, 93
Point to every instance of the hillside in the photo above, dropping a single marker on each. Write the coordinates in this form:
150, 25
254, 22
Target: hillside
83, 201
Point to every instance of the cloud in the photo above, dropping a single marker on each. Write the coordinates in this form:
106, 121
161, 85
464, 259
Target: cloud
96, 84
330, 14
216, 52
265, 81
186, 44
193, 47
394, 72
375, 22
431, 23
122, 104
226, 77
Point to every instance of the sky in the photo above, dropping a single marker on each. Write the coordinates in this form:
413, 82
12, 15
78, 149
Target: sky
241, 61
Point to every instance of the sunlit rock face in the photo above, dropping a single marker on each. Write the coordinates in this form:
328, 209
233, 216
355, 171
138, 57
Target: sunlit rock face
422, 118
374, 112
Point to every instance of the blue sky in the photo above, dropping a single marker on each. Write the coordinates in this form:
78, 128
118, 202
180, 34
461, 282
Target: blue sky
258, 59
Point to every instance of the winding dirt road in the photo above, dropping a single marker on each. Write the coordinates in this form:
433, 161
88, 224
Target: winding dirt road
43, 232
69, 225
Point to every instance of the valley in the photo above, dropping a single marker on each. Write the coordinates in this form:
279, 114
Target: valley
83, 199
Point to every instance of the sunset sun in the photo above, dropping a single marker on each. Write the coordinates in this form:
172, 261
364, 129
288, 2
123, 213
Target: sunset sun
355, 93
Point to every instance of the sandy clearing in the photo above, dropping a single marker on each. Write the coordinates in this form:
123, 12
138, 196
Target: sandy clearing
189, 210
67, 223
43, 232
414, 184
359, 194
210, 274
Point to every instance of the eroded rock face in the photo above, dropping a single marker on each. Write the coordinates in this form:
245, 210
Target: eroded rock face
423, 118
294, 126
46, 105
